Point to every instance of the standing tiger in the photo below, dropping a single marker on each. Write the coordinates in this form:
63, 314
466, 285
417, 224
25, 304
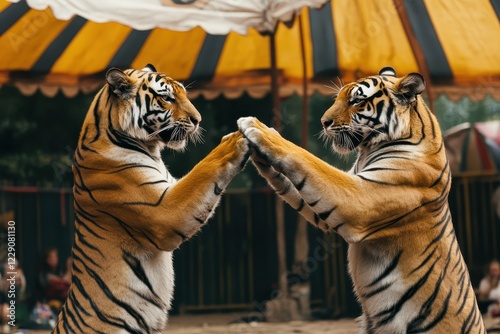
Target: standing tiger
391, 207
130, 212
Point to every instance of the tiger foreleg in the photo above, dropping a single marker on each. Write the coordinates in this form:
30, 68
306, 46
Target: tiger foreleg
178, 210
326, 190
285, 189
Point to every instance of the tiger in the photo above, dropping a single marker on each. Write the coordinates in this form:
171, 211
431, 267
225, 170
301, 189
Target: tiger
391, 207
131, 213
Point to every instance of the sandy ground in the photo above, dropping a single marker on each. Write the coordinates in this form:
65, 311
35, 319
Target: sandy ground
220, 324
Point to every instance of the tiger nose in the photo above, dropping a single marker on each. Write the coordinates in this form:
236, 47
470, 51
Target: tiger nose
195, 120
326, 122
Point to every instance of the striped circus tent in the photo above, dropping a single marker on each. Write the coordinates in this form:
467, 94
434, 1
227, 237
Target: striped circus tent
454, 43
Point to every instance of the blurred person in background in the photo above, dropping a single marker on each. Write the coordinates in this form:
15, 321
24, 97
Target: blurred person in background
489, 289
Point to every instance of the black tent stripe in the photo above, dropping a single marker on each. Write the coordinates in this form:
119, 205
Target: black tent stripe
11, 15
208, 58
129, 49
426, 36
325, 58
58, 45
494, 3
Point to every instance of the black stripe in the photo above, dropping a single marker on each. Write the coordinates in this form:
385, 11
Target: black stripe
286, 186
182, 235
424, 261
313, 204
301, 184
217, 189
207, 60
494, 3
152, 183
12, 14
149, 299
81, 238
82, 183
120, 323
127, 307
301, 205
129, 228
129, 49
390, 312
67, 311
121, 168
136, 266
97, 116
323, 42
393, 265
376, 291
57, 47
326, 214
425, 33
76, 247
153, 204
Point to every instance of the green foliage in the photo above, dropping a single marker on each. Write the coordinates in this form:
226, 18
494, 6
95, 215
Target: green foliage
38, 136
450, 113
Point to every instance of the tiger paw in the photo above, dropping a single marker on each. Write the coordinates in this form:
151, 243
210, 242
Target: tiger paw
238, 148
252, 129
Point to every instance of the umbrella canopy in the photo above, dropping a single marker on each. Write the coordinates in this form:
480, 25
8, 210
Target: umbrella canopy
215, 17
474, 148
347, 38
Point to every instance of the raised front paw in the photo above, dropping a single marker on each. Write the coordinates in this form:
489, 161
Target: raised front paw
236, 148
254, 130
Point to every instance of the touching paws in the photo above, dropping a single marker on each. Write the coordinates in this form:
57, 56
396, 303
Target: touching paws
265, 142
249, 127
238, 147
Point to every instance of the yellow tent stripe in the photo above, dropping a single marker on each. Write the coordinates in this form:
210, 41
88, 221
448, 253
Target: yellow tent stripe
467, 23
103, 39
289, 39
28, 38
4, 4
369, 36
243, 53
174, 58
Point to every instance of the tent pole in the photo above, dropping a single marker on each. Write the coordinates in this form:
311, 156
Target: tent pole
305, 96
280, 209
301, 250
417, 50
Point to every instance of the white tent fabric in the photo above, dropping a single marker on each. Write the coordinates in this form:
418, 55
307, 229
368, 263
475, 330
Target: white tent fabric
216, 17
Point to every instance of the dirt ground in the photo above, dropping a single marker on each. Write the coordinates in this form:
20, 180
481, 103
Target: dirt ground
221, 324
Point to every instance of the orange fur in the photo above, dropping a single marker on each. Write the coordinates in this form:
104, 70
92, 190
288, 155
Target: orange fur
130, 212
391, 207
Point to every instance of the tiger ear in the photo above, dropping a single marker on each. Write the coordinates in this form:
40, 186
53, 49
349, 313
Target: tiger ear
387, 71
149, 68
119, 82
407, 88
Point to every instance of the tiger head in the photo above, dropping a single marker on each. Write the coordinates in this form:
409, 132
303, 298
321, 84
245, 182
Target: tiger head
372, 110
153, 107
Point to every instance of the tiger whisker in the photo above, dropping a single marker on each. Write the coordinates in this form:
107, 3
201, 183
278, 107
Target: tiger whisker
189, 84
153, 134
